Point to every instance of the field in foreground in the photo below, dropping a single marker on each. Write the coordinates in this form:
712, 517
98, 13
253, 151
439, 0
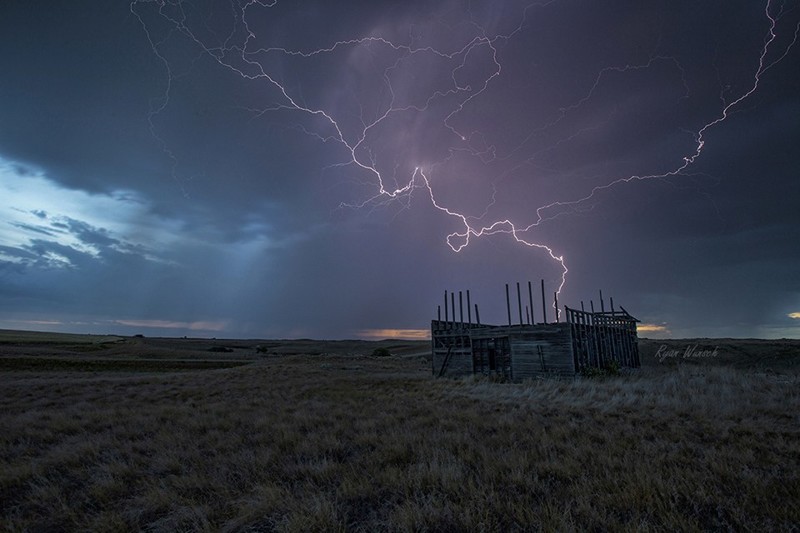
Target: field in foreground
303, 436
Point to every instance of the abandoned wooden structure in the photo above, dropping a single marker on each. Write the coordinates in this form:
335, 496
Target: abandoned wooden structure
586, 340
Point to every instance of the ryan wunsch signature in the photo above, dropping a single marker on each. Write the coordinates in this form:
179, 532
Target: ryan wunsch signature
692, 351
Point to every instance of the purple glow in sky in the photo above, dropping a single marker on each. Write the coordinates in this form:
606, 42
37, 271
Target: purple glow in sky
276, 169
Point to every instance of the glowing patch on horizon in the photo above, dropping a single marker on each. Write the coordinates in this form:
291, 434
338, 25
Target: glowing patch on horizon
651, 328
169, 324
405, 334
796, 315
37, 322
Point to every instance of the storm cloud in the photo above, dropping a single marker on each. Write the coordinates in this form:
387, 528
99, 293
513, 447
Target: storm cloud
294, 169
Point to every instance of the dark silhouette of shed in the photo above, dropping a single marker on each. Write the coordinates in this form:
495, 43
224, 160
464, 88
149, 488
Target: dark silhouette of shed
586, 340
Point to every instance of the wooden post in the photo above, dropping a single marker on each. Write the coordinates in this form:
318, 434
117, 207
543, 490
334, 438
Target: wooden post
460, 307
446, 315
439, 313
469, 309
544, 306
607, 348
528, 314
582, 309
453, 306
555, 304
519, 305
591, 303
611, 299
477, 315
530, 301
508, 305
627, 345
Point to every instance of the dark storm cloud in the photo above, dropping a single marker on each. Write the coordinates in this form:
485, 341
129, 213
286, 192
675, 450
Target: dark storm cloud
17, 253
95, 237
154, 186
35, 229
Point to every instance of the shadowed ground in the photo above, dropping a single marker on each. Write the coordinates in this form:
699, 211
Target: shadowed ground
308, 435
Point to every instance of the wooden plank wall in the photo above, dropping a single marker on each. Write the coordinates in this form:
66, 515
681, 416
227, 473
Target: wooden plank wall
452, 348
538, 350
542, 350
600, 338
491, 355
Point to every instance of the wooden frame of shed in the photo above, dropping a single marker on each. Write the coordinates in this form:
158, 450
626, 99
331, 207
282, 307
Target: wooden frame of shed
586, 340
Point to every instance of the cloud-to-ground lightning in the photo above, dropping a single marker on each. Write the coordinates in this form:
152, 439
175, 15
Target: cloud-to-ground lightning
241, 52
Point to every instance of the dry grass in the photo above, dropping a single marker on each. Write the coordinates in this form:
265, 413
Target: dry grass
331, 442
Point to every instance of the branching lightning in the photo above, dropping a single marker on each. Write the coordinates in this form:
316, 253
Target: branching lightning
239, 53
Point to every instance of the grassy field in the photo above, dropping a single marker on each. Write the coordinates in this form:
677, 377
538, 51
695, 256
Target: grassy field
340, 440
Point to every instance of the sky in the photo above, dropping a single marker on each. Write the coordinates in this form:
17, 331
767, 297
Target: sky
275, 169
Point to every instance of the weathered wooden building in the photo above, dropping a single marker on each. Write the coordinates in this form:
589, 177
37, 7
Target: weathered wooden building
586, 340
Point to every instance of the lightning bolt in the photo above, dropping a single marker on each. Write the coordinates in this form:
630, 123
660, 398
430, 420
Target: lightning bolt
239, 52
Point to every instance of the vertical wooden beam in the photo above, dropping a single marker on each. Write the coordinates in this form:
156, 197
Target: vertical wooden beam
446, 315
460, 307
508, 305
544, 306
477, 315
519, 305
530, 301
555, 304
582, 309
453, 306
439, 313
469, 309
628, 347
528, 315
602, 305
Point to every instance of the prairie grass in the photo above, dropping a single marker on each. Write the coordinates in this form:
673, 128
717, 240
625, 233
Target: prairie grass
100, 365
334, 443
